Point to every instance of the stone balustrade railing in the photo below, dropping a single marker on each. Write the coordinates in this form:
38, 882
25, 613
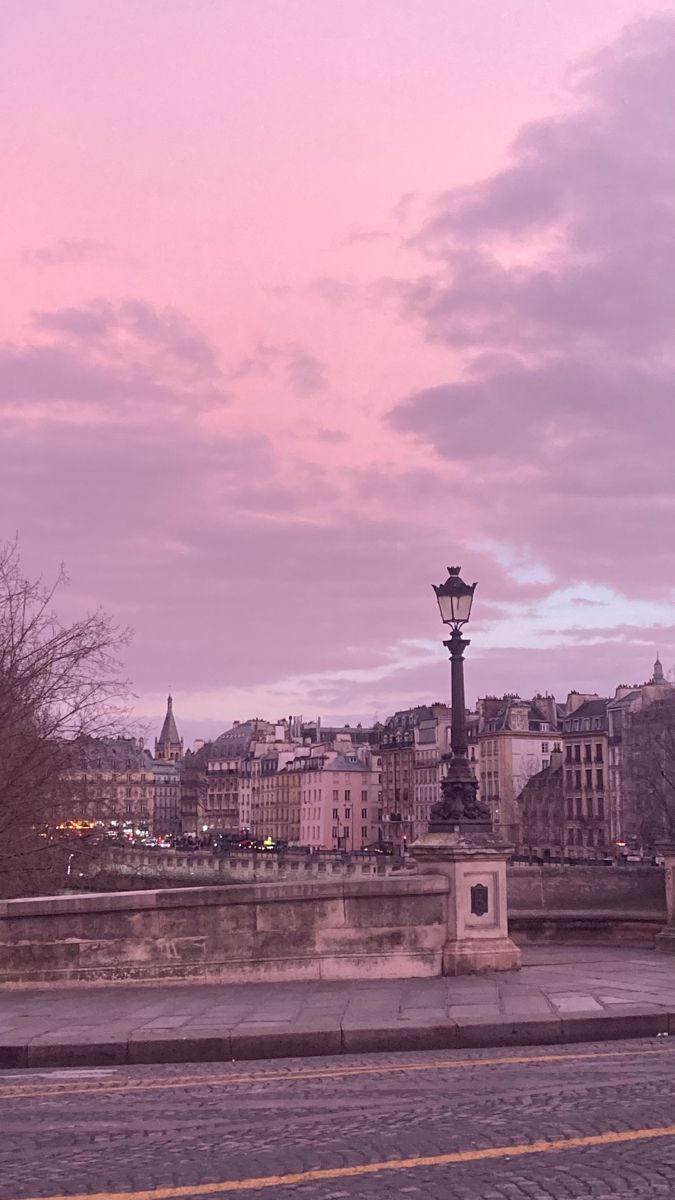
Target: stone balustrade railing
247, 866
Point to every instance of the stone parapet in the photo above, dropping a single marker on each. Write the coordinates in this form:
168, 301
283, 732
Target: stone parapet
368, 928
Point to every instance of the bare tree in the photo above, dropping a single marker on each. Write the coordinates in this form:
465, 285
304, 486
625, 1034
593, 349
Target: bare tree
648, 783
58, 682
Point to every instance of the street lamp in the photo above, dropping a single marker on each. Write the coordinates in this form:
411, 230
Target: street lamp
458, 804
455, 598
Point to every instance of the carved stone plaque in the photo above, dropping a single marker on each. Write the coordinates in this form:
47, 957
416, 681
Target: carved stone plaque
479, 900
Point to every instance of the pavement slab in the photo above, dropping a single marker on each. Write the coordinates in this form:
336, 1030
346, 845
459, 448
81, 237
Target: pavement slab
562, 993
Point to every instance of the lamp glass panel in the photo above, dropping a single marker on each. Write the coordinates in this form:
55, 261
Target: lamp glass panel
445, 605
462, 606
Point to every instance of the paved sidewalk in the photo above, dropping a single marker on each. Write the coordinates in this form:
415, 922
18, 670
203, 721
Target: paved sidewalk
562, 994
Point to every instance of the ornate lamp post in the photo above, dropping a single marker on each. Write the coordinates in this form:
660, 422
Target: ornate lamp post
460, 843
458, 808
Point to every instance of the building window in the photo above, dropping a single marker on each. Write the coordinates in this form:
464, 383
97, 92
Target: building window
577, 753
544, 747
589, 838
587, 752
348, 813
578, 806
335, 795
345, 831
570, 810
336, 813
601, 808
568, 754
577, 780
364, 833
589, 779
568, 780
599, 779
364, 814
336, 831
589, 806
580, 837
348, 796
598, 752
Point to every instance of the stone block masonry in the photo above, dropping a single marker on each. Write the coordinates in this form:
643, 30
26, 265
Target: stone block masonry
340, 927
347, 929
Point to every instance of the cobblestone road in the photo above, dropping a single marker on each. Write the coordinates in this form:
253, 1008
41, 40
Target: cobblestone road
190, 1131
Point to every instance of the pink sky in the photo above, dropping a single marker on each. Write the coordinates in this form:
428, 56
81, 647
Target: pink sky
305, 301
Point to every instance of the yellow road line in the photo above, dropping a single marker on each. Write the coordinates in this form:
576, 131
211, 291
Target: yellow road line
395, 1164
34, 1091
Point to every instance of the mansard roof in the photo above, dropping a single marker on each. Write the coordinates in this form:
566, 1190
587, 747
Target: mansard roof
341, 763
111, 754
590, 708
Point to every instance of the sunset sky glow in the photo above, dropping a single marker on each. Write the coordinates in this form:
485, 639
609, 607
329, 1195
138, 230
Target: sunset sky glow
304, 301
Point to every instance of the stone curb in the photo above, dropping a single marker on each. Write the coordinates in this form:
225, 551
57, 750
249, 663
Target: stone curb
241, 1045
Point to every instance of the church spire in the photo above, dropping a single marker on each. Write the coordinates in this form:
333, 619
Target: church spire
169, 746
657, 675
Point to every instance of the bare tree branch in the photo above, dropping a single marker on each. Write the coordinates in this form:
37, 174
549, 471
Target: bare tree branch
58, 683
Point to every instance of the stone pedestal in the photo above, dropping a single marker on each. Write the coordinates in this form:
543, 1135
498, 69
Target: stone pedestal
475, 865
665, 939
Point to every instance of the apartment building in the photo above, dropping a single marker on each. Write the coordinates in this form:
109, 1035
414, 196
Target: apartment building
585, 736
340, 809
542, 812
628, 715
113, 781
167, 804
517, 739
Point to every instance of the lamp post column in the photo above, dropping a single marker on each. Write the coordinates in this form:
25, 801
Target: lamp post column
458, 741
458, 808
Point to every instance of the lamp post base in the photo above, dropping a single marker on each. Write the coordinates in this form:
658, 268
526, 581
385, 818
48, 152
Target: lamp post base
473, 957
477, 928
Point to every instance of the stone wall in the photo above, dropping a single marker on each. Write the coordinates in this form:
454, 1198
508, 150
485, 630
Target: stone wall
331, 928
611, 905
610, 890
370, 928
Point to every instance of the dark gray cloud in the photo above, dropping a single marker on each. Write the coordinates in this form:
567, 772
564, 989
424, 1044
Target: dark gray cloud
302, 370
165, 329
110, 356
555, 279
305, 373
65, 251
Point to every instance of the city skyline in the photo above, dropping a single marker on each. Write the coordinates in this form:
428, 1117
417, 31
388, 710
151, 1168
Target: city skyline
307, 302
